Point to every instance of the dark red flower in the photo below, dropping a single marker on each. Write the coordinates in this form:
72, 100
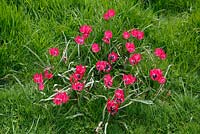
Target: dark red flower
60, 98
48, 75
85, 29
156, 74
129, 79
108, 34
106, 40
79, 40
54, 51
126, 35
130, 47
159, 52
78, 86
80, 69
112, 107
38, 78
108, 81
135, 59
109, 14
95, 48
119, 96
113, 57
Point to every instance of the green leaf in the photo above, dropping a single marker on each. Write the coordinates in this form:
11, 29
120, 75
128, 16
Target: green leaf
148, 102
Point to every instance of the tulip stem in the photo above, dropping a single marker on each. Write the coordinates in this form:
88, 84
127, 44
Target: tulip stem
105, 129
126, 105
160, 89
78, 51
104, 109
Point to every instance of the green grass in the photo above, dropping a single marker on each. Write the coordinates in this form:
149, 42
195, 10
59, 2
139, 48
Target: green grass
41, 24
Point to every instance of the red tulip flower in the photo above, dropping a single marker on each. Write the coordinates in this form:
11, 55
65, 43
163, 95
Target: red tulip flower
54, 51
79, 40
41, 86
78, 86
85, 29
103, 66
162, 80
126, 35
47, 74
135, 59
95, 48
156, 74
109, 14
108, 34
140, 35
159, 52
119, 96
107, 67
38, 78
80, 69
108, 81
106, 40
112, 107
60, 98
113, 57
75, 77
129, 79
130, 47
137, 34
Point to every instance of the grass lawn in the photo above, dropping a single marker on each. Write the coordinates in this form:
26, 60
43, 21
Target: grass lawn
30, 27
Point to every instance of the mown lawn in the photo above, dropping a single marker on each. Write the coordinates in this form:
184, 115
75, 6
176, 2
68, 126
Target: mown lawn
37, 25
